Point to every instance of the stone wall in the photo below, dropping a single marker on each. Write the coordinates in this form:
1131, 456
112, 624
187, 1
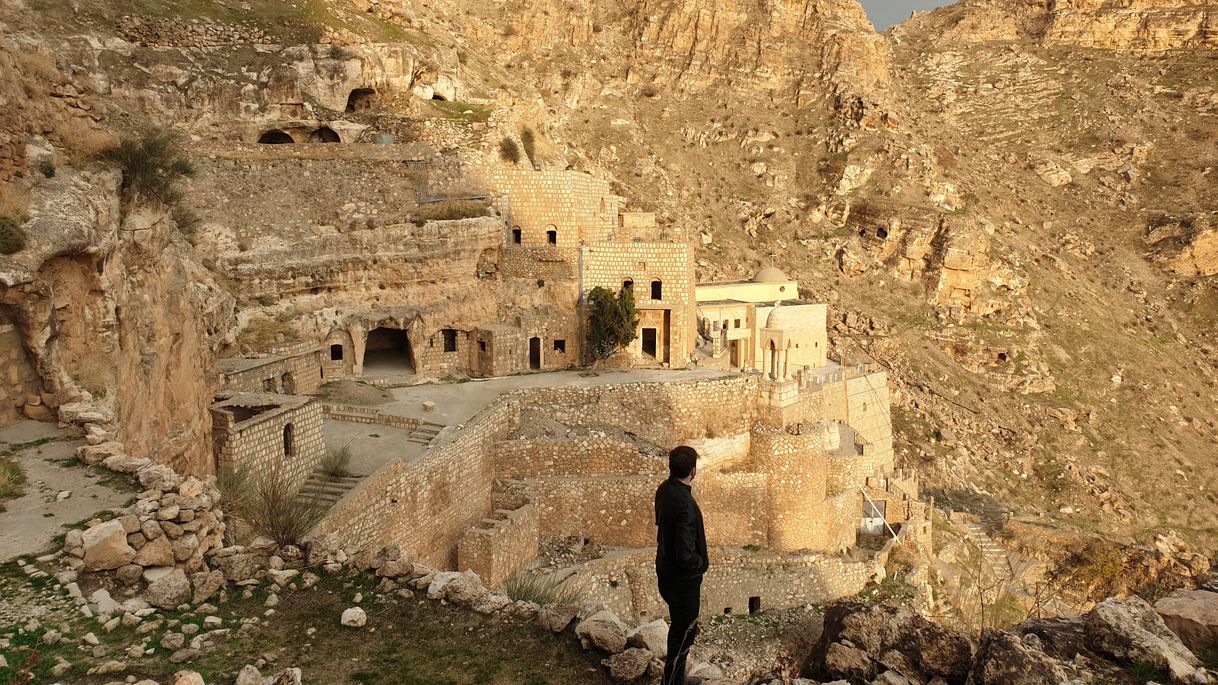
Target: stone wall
18, 379
497, 549
694, 410
627, 583
425, 506
354, 414
284, 437
574, 457
294, 371
539, 262
578, 207
608, 265
612, 510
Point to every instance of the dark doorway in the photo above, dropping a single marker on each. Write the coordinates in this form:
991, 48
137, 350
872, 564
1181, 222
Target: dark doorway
552, 236
275, 137
336, 352
388, 351
516, 236
450, 340
325, 134
649, 342
657, 290
287, 384
361, 99
535, 354
754, 605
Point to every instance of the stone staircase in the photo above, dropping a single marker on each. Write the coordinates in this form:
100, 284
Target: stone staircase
996, 557
425, 433
326, 490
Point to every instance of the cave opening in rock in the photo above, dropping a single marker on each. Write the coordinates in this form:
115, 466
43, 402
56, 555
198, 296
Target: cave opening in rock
388, 351
275, 137
360, 100
325, 134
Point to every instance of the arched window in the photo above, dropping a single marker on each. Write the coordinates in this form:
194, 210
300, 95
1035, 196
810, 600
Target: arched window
289, 441
628, 286
552, 234
516, 235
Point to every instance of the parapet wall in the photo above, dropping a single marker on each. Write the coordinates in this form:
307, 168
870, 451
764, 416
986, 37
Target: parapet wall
425, 506
497, 549
627, 583
573, 457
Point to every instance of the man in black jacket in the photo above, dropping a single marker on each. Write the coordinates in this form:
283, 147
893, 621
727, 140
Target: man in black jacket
680, 560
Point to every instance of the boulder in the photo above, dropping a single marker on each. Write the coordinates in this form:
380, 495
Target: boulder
557, 617
187, 678
883, 635
438, 582
105, 547
355, 617
238, 567
124, 463
169, 590
602, 630
1130, 630
650, 636
96, 454
465, 590
158, 477
1193, 616
129, 574
250, 675
156, 552
1004, 658
288, 676
283, 577
206, 584
629, 666
490, 603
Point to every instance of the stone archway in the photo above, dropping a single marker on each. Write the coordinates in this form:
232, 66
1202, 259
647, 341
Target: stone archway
388, 351
361, 100
325, 134
275, 137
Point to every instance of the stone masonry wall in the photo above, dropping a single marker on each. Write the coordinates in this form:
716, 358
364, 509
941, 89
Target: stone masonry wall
305, 370
541, 262
259, 443
426, 506
627, 584
18, 379
573, 457
612, 510
498, 549
579, 207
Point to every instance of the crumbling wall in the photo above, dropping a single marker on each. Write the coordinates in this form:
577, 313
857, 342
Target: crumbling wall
19, 380
497, 549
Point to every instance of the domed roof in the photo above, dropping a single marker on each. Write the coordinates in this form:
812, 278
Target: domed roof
784, 318
770, 274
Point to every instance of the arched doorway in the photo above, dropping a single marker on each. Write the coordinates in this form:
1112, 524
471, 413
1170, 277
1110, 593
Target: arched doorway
325, 134
535, 354
361, 99
275, 137
388, 352
289, 441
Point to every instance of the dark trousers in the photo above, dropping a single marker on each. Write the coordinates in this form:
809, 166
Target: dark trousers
683, 597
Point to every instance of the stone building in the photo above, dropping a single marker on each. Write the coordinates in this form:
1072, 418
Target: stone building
292, 369
268, 432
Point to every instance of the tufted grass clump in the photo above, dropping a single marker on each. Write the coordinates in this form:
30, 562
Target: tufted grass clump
152, 165
541, 590
275, 509
446, 210
337, 463
509, 151
12, 236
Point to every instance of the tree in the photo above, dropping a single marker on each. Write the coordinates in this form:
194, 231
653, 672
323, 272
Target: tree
613, 322
152, 164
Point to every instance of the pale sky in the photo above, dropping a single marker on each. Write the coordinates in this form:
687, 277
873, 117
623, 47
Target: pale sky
885, 13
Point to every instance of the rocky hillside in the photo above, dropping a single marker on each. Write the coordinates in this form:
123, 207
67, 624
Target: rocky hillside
1011, 204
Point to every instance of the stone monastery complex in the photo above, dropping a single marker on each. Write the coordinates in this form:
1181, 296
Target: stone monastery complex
797, 455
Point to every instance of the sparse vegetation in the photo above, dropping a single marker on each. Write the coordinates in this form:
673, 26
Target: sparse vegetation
83, 141
613, 322
541, 589
12, 236
47, 168
337, 462
262, 332
273, 508
152, 165
529, 141
12, 478
509, 151
447, 210
185, 218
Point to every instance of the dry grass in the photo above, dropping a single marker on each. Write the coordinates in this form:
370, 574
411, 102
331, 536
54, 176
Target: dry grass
263, 332
14, 203
449, 210
336, 463
274, 509
542, 590
12, 478
84, 141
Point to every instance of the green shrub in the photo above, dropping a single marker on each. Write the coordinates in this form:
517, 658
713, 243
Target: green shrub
186, 219
336, 463
529, 141
541, 589
613, 321
152, 165
47, 168
12, 236
509, 151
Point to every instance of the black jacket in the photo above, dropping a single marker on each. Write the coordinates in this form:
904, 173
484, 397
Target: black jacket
680, 537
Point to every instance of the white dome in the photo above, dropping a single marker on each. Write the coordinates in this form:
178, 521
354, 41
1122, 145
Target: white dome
784, 319
770, 275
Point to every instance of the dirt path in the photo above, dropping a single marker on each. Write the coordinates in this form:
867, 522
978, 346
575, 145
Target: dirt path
48, 459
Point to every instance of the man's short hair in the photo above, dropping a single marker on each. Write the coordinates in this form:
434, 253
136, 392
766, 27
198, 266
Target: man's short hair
681, 461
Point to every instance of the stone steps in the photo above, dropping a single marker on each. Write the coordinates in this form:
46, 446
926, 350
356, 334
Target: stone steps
326, 490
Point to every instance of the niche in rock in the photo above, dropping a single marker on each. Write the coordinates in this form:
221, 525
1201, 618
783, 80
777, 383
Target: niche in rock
275, 137
360, 100
325, 134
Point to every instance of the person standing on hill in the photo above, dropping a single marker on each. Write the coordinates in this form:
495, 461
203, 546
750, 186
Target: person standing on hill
681, 560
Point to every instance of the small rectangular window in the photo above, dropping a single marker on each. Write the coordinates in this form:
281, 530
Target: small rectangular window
450, 340
516, 236
560, 345
482, 346
336, 353
657, 290
737, 323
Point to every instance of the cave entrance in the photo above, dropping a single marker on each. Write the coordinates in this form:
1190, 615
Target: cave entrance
437, 96
388, 353
325, 134
275, 137
649, 342
361, 100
